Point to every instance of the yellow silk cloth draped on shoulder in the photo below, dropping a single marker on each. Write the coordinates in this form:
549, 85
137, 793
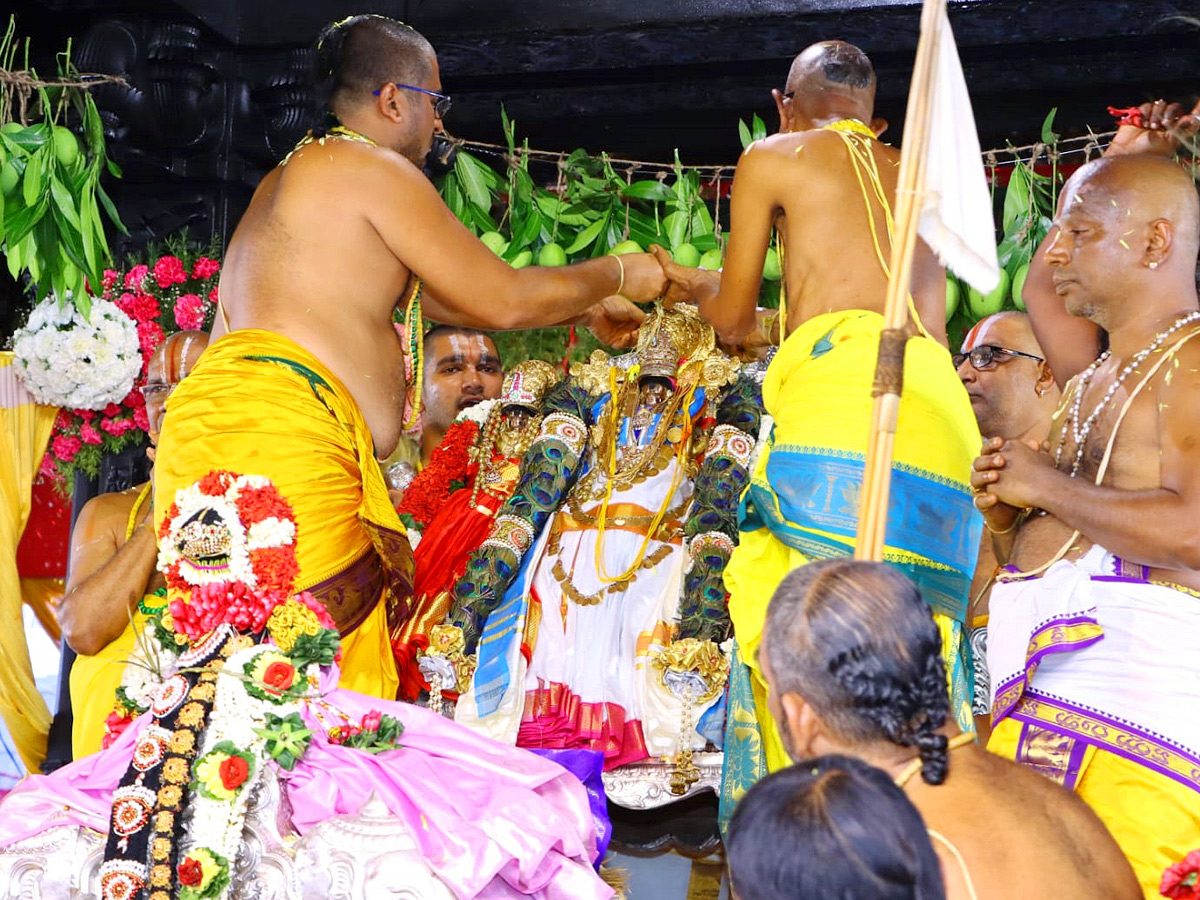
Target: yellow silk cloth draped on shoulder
257, 403
802, 503
25, 428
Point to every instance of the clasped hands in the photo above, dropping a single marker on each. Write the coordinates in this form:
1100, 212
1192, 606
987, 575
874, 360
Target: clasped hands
1010, 477
655, 276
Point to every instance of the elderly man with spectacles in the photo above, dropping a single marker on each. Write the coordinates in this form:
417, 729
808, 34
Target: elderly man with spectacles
1014, 395
112, 570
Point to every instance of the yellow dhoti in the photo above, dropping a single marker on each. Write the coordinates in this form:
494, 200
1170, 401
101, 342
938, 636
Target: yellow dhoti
802, 503
259, 404
1154, 819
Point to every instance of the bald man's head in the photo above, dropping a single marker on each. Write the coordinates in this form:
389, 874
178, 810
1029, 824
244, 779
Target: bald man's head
1013, 395
832, 78
170, 364
1129, 226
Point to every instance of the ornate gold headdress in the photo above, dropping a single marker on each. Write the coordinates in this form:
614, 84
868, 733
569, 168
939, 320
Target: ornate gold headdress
527, 382
658, 356
696, 360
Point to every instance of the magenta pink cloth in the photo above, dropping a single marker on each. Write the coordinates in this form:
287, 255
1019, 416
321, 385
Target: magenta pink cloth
492, 821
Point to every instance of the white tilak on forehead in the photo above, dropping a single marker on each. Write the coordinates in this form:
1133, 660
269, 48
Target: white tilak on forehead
463, 352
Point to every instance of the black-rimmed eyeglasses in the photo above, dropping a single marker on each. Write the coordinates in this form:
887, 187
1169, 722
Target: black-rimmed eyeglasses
441, 102
985, 356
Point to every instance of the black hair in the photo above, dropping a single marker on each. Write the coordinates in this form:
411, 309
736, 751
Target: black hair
858, 643
360, 54
827, 829
844, 63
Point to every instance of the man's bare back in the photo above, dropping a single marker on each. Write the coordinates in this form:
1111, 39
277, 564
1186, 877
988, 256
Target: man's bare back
306, 262
833, 226
831, 215
995, 812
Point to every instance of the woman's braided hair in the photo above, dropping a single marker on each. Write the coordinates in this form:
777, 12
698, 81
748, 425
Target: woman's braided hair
857, 642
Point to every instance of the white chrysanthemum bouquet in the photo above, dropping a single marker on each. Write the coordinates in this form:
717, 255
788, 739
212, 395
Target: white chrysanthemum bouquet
65, 359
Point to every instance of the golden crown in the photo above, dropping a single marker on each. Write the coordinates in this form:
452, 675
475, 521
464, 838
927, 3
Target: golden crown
199, 540
527, 382
658, 356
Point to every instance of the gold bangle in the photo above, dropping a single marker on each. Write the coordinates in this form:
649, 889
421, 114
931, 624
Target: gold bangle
1016, 522
621, 266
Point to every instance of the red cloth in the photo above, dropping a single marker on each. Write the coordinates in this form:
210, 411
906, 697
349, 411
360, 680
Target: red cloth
446, 545
44, 545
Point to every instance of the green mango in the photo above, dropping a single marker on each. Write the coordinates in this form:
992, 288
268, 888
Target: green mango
982, 305
66, 148
711, 260
687, 255
1018, 285
953, 297
522, 259
771, 269
552, 255
494, 241
626, 247
9, 178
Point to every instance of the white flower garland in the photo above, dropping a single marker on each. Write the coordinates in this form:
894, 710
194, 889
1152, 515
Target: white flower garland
147, 668
216, 825
477, 413
66, 360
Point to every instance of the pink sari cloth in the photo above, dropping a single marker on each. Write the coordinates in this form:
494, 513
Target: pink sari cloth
491, 821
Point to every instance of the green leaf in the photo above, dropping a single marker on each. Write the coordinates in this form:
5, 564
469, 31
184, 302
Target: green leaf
758, 128
510, 131
557, 210
744, 134
525, 230
33, 183
64, 202
1016, 198
25, 219
109, 209
1049, 136
93, 127
646, 190
585, 238
29, 139
675, 225
467, 170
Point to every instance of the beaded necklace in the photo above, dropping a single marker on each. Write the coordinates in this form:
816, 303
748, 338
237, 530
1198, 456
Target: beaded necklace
1081, 430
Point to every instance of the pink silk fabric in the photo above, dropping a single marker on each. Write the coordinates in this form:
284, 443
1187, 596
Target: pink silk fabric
492, 821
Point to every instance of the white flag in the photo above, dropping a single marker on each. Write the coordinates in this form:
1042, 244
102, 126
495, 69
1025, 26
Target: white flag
956, 208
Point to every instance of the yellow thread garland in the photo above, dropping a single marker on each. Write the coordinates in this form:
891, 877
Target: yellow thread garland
414, 329
137, 506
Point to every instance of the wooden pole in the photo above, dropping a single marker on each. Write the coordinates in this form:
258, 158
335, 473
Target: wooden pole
889, 367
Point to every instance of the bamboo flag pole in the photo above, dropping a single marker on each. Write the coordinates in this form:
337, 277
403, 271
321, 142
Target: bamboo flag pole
889, 367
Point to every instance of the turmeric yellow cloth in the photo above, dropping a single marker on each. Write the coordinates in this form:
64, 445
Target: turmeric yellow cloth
95, 679
802, 502
258, 403
1154, 819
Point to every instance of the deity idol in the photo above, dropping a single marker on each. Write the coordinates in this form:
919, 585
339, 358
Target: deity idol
588, 647
450, 506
